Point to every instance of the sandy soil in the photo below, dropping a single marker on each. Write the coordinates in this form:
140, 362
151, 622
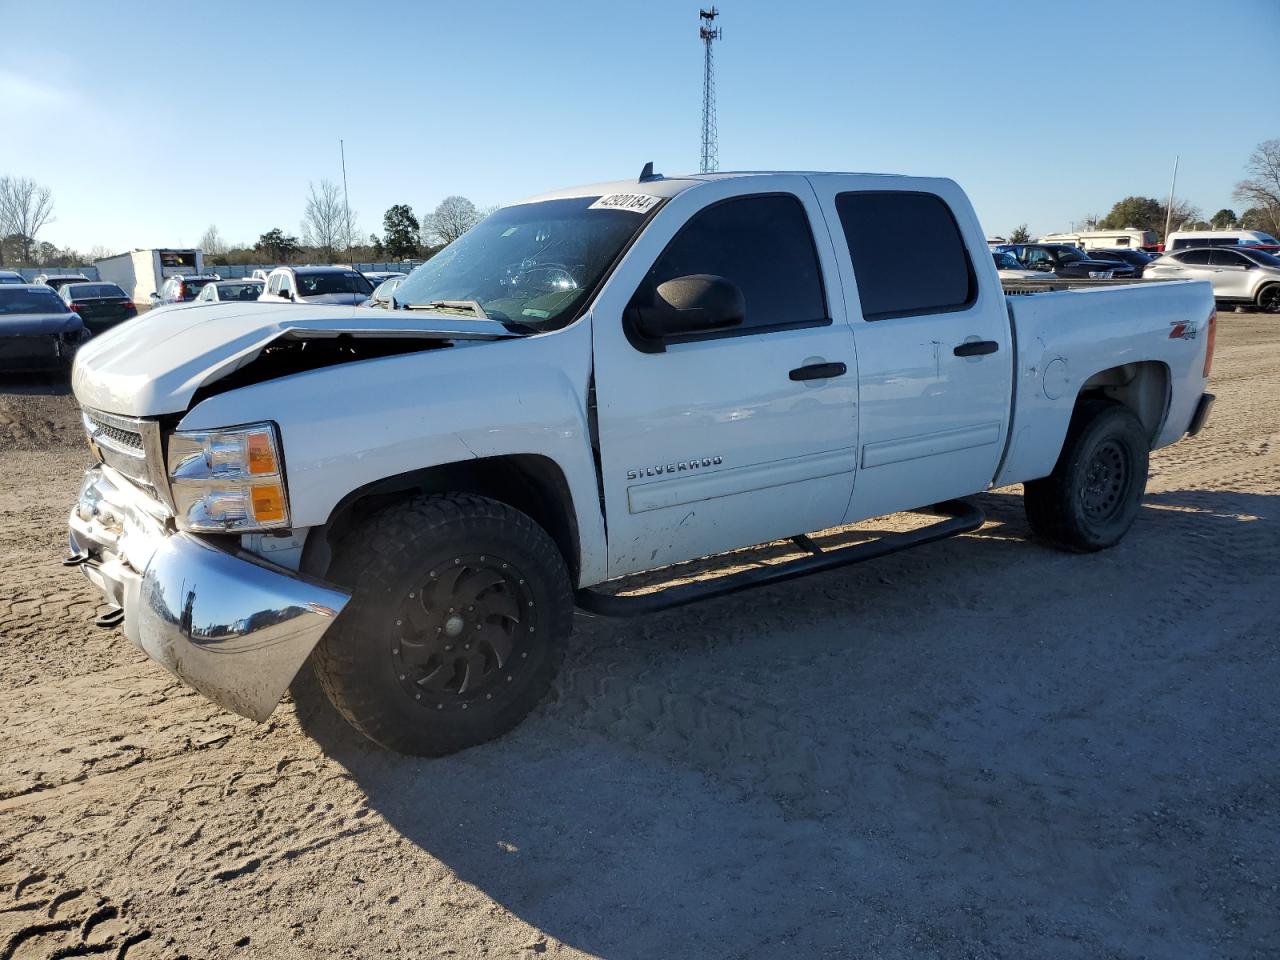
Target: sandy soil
982, 748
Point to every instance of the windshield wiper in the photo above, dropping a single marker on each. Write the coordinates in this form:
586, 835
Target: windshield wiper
472, 306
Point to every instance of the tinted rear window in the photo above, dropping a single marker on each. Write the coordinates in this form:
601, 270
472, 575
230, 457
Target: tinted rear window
886, 234
93, 291
318, 284
23, 300
249, 290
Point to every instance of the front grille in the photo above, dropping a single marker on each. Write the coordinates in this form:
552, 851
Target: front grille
129, 445
114, 435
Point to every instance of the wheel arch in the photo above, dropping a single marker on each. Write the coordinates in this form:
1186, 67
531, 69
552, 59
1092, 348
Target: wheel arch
531, 483
1144, 386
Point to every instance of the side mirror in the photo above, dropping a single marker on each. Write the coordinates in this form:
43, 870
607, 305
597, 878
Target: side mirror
699, 303
154, 295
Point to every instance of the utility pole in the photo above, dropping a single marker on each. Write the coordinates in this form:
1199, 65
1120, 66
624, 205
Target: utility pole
346, 206
1168, 211
708, 33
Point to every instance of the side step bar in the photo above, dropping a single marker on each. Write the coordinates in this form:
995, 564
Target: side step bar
961, 517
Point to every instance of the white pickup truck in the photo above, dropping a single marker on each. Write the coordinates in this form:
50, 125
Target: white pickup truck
592, 383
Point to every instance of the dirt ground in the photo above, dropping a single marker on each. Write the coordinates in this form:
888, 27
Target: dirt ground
982, 748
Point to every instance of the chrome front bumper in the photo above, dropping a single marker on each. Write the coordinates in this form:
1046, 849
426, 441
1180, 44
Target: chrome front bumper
230, 625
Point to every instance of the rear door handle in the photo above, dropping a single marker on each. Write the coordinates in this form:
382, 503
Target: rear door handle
976, 348
819, 371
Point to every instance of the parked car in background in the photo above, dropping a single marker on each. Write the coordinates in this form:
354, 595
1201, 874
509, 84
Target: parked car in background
1138, 259
38, 331
383, 291
182, 289
11, 276
1238, 274
100, 305
60, 280
1186, 239
317, 285
1009, 268
220, 291
377, 277
1068, 262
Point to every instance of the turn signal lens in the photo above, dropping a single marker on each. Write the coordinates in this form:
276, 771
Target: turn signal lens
261, 454
268, 502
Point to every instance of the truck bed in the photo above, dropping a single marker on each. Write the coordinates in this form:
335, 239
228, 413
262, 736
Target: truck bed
1073, 335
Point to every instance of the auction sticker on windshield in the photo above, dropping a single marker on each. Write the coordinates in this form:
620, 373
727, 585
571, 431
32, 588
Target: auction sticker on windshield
635, 202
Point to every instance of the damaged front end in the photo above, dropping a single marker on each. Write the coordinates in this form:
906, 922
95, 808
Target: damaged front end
161, 521
227, 623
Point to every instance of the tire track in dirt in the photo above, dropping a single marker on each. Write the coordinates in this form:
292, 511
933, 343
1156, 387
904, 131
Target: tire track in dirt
44, 917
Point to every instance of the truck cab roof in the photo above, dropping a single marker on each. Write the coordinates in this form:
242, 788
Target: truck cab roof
668, 187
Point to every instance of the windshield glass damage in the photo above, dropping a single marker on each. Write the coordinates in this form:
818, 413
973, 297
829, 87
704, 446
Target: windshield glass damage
529, 265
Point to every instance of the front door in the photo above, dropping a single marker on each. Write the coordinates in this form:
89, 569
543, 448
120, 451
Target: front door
722, 440
1231, 276
935, 355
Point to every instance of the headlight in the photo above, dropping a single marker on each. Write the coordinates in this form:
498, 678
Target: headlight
228, 480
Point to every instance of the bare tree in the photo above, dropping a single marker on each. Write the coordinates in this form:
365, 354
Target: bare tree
1260, 190
25, 207
99, 252
451, 219
327, 225
212, 243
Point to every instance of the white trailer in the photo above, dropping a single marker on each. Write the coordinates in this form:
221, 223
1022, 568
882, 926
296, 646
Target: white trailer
140, 273
1130, 237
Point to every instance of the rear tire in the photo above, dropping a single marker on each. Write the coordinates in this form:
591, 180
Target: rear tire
1092, 497
457, 623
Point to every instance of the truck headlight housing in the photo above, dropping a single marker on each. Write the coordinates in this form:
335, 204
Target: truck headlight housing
228, 481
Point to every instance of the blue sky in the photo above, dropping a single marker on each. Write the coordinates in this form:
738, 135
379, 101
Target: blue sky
150, 124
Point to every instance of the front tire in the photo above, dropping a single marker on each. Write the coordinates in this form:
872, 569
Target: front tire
1092, 497
457, 623
1269, 298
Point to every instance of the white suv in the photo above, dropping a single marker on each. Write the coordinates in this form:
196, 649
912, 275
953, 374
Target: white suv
317, 285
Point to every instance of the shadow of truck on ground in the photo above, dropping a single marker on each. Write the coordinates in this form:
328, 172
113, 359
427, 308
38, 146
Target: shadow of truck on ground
982, 747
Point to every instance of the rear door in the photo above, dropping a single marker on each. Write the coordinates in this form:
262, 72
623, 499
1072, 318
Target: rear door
935, 356
727, 439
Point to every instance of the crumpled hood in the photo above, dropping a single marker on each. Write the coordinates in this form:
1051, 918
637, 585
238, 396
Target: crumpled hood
154, 364
39, 324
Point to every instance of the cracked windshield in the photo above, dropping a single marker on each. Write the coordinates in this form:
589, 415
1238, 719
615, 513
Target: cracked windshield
530, 264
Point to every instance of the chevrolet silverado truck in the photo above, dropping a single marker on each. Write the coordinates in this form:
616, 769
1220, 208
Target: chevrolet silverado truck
590, 384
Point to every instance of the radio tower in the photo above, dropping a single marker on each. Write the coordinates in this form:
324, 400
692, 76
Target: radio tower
710, 149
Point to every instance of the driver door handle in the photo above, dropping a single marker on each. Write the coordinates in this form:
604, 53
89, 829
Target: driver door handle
976, 348
819, 371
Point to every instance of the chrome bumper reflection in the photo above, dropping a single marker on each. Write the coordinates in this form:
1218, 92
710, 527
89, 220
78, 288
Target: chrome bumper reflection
233, 627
